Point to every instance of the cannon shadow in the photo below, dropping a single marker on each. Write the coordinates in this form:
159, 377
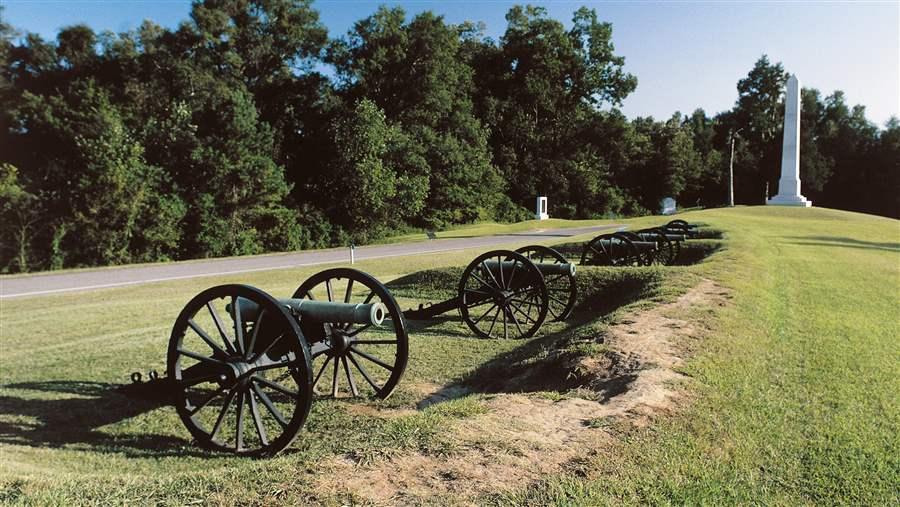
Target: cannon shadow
76, 419
846, 243
543, 364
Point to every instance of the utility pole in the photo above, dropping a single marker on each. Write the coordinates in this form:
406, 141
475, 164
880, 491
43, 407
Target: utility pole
731, 170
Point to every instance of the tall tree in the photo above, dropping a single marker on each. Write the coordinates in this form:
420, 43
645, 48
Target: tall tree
414, 73
539, 92
759, 115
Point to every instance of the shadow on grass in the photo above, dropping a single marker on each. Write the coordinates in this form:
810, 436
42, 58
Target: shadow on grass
846, 243
692, 251
546, 363
62, 422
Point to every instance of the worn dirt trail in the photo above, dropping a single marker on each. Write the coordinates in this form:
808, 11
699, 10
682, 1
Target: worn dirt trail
522, 439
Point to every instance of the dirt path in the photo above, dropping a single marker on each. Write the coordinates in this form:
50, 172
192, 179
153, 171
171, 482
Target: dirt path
521, 439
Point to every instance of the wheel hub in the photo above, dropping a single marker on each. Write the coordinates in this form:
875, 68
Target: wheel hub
240, 368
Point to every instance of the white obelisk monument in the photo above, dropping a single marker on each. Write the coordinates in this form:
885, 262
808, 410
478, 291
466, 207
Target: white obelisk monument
789, 184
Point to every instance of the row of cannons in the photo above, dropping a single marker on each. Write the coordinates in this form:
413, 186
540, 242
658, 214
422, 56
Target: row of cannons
243, 367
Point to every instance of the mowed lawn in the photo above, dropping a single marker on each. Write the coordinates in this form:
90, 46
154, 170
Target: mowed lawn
793, 389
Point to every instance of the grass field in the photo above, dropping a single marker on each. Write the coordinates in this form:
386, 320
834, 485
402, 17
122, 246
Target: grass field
787, 391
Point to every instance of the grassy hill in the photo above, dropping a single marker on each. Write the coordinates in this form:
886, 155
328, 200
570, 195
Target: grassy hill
777, 384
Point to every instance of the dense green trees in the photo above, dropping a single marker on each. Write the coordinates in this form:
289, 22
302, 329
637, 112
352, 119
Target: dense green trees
247, 129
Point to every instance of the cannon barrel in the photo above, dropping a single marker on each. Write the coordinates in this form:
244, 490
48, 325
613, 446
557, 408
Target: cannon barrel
546, 268
670, 236
640, 245
321, 311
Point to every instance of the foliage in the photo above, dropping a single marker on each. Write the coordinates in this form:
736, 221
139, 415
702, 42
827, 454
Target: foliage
227, 136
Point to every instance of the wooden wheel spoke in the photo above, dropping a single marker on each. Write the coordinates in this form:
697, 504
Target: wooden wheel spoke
276, 386
479, 302
239, 427
483, 283
494, 322
267, 402
371, 358
334, 378
350, 380
201, 357
200, 406
484, 314
255, 333
516, 321
360, 330
267, 349
374, 342
257, 420
238, 324
322, 370
349, 290
329, 289
225, 406
209, 341
512, 273
220, 326
186, 383
364, 373
525, 314
493, 278
272, 366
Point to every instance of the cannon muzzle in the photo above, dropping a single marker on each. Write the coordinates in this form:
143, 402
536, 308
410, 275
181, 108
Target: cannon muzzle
321, 311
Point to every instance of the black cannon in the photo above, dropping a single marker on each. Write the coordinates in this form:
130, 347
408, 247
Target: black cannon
655, 245
243, 367
509, 294
619, 249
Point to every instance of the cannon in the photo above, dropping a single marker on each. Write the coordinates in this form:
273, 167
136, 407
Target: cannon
668, 245
655, 245
619, 249
505, 294
243, 368
679, 226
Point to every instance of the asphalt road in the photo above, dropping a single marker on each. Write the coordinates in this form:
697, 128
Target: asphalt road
33, 285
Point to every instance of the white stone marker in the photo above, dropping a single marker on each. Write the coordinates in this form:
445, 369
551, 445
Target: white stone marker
789, 184
540, 212
667, 206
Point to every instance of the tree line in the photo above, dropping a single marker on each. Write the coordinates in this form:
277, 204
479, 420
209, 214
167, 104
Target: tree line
249, 129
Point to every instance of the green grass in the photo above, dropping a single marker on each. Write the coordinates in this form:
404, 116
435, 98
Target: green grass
795, 383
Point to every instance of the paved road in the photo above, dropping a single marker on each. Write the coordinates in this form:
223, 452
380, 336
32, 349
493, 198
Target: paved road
34, 285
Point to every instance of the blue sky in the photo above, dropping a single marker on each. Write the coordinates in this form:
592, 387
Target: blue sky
685, 54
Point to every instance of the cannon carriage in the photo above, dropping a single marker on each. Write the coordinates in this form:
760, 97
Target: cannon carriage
243, 367
506, 294
644, 247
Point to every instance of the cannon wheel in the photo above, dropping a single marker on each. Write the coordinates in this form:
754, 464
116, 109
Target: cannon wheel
223, 372
365, 360
668, 249
609, 250
562, 289
511, 303
643, 258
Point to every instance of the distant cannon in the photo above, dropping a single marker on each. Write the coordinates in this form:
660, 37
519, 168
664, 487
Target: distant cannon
656, 245
504, 294
618, 249
243, 367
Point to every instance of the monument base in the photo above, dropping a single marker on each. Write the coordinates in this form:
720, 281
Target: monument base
789, 200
